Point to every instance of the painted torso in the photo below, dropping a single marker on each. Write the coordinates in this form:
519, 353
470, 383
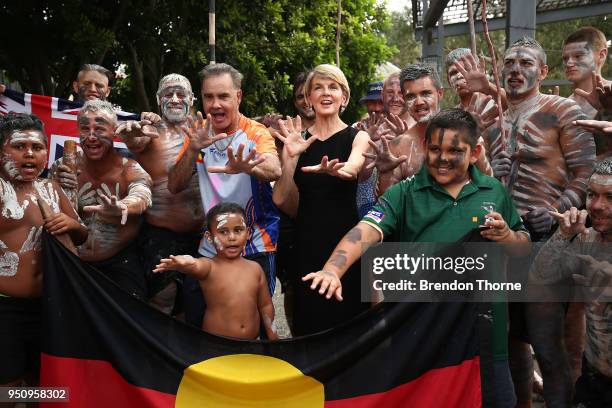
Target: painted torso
180, 212
20, 235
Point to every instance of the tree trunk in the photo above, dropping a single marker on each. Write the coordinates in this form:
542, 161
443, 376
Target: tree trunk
139, 86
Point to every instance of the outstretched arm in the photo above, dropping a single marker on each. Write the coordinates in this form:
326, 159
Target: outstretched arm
198, 268
348, 250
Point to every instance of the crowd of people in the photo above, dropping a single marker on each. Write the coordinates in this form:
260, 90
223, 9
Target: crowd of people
210, 208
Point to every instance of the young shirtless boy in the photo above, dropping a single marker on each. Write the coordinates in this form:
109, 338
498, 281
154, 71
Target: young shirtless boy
23, 156
235, 289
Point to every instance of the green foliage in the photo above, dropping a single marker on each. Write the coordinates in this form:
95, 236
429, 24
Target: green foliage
401, 35
269, 41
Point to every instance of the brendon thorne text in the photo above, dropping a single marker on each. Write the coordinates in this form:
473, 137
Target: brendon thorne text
455, 285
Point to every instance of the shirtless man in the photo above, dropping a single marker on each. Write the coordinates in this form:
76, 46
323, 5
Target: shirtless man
112, 193
403, 156
591, 261
545, 161
584, 54
23, 149
174, 223
235, 289
93, 82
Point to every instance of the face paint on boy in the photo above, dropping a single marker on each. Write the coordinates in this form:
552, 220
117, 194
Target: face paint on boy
521, 71
24, 155
447, 157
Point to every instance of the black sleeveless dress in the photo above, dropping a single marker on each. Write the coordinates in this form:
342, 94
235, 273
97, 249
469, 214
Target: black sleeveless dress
327, 211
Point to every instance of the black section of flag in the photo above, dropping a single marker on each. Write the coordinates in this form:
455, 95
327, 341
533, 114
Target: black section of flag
88, 316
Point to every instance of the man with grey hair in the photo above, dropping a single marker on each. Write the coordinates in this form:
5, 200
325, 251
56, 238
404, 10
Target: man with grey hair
173, 225
581, 252
236, 159
112, 193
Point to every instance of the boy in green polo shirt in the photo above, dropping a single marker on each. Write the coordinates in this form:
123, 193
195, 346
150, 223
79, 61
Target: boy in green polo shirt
444, 201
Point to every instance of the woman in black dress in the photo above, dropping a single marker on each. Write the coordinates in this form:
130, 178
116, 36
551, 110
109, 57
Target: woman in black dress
318, 187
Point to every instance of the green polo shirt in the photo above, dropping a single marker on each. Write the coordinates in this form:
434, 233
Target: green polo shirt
420, 210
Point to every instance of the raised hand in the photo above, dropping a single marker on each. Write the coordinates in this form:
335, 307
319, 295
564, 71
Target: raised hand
382, 157
175, 263
328, 281
601, 92
65, 177
374, 123
110, 207
474, 73
238, 163
484, 117
200, 134
291, 136
572, 222
396, 125
501, 164
137, 130
540, 219
331, 167
595, 126
153, 118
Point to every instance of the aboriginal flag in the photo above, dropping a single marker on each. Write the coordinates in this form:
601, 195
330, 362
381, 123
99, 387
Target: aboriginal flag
113, 350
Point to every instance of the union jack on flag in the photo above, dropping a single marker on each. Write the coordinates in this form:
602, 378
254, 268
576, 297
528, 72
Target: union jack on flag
58, 115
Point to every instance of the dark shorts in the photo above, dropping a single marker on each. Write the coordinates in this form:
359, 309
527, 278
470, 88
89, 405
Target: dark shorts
126, 270
19, 338
194, 304
157, 243
593, 389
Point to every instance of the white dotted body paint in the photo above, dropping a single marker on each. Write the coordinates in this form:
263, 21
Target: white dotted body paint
9, 261
33, 241
11, 208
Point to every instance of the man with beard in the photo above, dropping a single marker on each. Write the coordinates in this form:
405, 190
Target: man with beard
235, 159
575, 250
584, 54
174, 222
403, 156
112, 193
545, 160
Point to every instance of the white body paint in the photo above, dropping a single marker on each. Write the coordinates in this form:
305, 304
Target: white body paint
32, 242
11, 208
9, 261
48, 194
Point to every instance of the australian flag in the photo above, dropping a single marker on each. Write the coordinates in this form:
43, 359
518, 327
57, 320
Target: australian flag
58, 115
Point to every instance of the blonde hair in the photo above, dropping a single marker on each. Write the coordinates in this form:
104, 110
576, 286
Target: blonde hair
331, 72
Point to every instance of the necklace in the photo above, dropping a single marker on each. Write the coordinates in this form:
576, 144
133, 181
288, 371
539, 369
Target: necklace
223, 144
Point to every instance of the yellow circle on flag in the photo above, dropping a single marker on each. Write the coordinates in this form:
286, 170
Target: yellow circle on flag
247, 380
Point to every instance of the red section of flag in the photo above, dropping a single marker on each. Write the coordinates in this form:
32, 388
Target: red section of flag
42, 107
96, 384
454, 385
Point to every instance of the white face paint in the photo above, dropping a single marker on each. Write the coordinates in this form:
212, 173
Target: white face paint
221, 220
11, 208
32, 242
218, 244
9, 261
10, 167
